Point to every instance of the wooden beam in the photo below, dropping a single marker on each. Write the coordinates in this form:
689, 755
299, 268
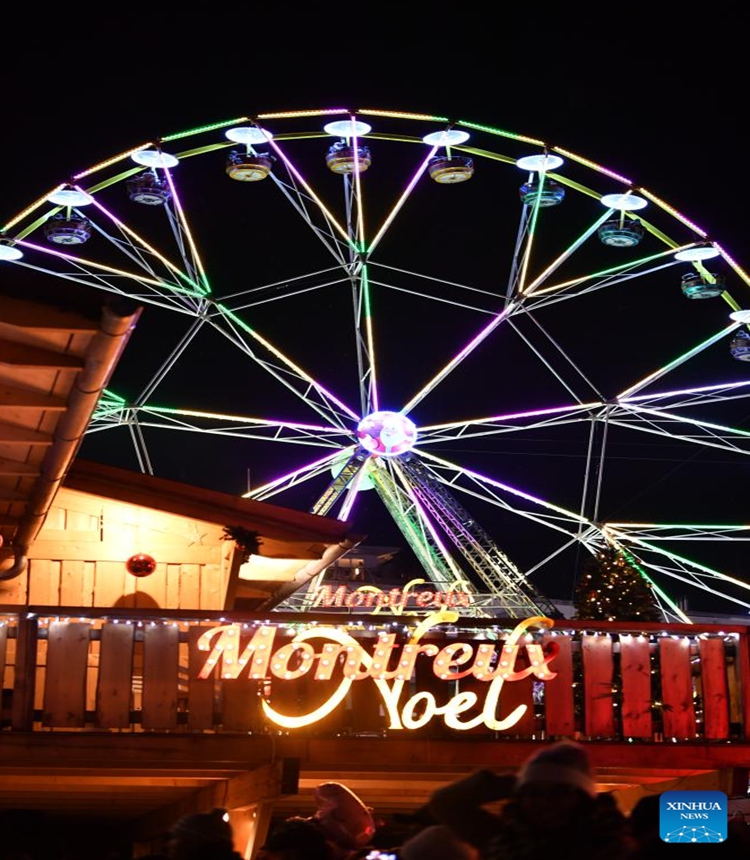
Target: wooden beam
21, 355
262, 784
26, 398
16, 467
12, 434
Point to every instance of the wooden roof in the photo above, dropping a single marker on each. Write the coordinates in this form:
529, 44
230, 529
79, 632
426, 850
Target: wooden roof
55, 360
270, 521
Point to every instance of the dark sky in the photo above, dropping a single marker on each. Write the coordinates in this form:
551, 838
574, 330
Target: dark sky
660, 101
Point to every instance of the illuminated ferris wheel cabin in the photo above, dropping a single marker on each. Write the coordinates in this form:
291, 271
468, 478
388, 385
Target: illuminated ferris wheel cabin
386, 434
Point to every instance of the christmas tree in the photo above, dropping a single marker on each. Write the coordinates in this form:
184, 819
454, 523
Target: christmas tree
611, 588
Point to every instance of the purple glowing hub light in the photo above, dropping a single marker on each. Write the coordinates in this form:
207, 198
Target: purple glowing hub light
386, 434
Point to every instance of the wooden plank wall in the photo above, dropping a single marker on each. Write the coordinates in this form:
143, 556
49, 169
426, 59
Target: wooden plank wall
79, 558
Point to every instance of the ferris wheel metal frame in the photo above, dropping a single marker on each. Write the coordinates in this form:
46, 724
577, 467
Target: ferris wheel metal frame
427, 494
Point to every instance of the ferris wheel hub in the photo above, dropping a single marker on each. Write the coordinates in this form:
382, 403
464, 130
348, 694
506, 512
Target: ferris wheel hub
386, 434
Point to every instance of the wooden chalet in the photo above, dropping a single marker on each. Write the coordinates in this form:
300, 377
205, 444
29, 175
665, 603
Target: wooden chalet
115, 719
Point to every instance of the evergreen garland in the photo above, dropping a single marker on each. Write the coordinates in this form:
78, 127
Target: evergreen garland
247, 540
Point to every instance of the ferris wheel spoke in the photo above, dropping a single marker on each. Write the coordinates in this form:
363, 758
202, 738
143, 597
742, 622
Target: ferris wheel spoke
687, 571
282, 368
499, 494
301, 202
663, 423
296, 477
346, 240
399, 204
171, 360
283, 289
602, 279
558, 351
696, 396
660, 532
428, 285
136, 286
240, 426
453, 431
677, 362
529, 289
133, 244
456, 361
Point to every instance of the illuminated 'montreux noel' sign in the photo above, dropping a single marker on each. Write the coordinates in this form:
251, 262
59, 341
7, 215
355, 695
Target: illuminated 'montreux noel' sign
390, 665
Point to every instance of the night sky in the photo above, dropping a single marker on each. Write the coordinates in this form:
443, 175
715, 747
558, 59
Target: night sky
661, 102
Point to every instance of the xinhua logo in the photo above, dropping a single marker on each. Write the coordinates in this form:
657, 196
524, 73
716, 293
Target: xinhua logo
693, 816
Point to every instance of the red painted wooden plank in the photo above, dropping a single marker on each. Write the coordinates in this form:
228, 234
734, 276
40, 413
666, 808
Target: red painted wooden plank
676, 688
598, 677
715, 693
635, 672
559, 708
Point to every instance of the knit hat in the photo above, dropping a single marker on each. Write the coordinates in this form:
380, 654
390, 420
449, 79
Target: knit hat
437, 842
204, 828
563, 763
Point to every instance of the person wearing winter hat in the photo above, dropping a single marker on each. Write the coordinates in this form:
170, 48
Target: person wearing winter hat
561, 766
551, 806
202, 836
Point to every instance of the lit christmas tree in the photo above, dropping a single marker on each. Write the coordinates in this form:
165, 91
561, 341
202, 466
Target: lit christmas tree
611, 588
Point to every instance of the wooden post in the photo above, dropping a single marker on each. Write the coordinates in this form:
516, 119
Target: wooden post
22, 714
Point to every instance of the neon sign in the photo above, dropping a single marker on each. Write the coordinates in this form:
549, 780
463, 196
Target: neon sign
491, 662
395, 600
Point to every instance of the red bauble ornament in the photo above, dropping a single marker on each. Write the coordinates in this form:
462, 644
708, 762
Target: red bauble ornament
140, 564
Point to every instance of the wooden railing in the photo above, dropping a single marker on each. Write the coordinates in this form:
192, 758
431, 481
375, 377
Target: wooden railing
137, 671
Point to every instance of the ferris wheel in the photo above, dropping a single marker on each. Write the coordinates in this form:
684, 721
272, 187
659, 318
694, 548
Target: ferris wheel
522, 356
